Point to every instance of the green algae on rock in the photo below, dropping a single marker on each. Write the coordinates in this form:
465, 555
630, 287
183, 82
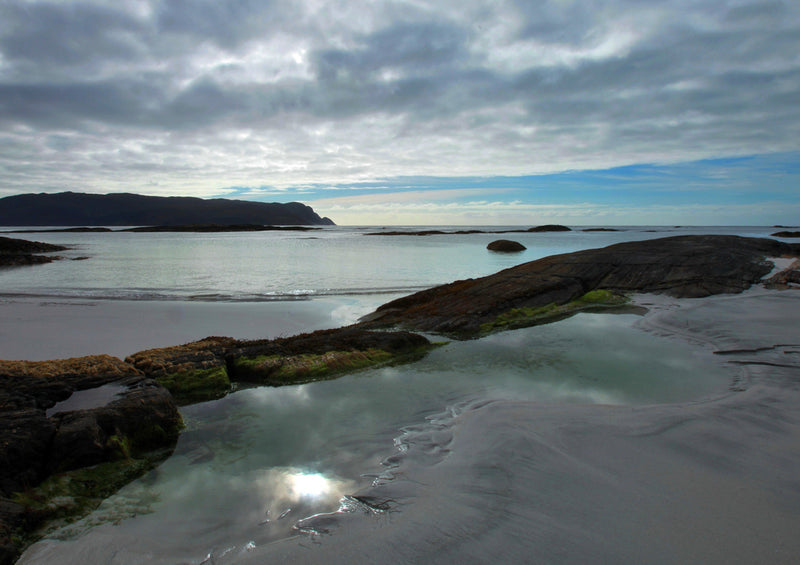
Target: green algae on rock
192, 372
279, 370
523, 317
60, 457
69, 496
193, 385
210, 368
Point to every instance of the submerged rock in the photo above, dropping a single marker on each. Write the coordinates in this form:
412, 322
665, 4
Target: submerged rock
682, 266
506, 246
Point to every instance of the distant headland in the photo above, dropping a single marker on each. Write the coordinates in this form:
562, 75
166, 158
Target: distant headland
80, 209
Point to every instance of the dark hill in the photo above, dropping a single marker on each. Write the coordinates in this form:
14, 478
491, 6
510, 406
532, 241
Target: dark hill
77, 209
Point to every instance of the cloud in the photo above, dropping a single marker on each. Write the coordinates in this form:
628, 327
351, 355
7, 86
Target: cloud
195, 97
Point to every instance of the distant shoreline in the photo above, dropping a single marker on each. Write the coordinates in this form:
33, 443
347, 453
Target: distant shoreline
199, 228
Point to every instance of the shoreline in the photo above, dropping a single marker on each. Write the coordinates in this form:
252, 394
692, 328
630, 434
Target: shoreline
122, 322
711, 480
35, 329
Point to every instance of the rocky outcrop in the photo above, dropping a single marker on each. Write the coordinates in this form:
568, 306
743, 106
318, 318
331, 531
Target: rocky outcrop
786, 234
683, 266
785, 278
15, 252
321, 355
209, 368
192, 372
73, 431
506, 246
49, 428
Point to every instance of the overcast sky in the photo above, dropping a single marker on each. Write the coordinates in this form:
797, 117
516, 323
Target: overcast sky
412, 112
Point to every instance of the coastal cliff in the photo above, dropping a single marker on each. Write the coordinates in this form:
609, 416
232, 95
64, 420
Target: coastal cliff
77, 209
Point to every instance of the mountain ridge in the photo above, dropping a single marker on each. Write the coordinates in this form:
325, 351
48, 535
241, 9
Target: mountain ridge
128, 209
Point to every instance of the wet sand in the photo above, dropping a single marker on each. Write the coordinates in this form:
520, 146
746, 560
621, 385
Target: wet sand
41, 329
710, 481
714, 480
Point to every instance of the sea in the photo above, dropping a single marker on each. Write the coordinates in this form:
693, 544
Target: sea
614, 438
290, 265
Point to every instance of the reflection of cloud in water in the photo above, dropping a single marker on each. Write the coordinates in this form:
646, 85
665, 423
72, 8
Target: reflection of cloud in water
280, 396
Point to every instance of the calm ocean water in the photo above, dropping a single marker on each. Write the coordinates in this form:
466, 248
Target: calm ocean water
484, 450
259, 266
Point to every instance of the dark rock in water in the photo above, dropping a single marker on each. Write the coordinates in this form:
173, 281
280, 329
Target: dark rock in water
682, 266
506, 246
786, 234
142, 418
35, 445
549, 227
15, 252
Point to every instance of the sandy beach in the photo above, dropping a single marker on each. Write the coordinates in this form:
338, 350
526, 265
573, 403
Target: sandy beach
36, 329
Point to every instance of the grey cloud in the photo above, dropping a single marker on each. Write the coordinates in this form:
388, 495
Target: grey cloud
40, 37
226, 23
69, 105
692, 73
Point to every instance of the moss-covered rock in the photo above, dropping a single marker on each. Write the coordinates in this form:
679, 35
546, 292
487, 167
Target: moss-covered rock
72, 432
193, 372
279, 370
66, 497
197, 385
524, 317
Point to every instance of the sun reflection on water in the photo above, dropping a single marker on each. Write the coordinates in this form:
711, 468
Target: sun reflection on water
309, 485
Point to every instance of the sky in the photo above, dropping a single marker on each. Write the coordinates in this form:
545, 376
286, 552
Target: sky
456, 112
